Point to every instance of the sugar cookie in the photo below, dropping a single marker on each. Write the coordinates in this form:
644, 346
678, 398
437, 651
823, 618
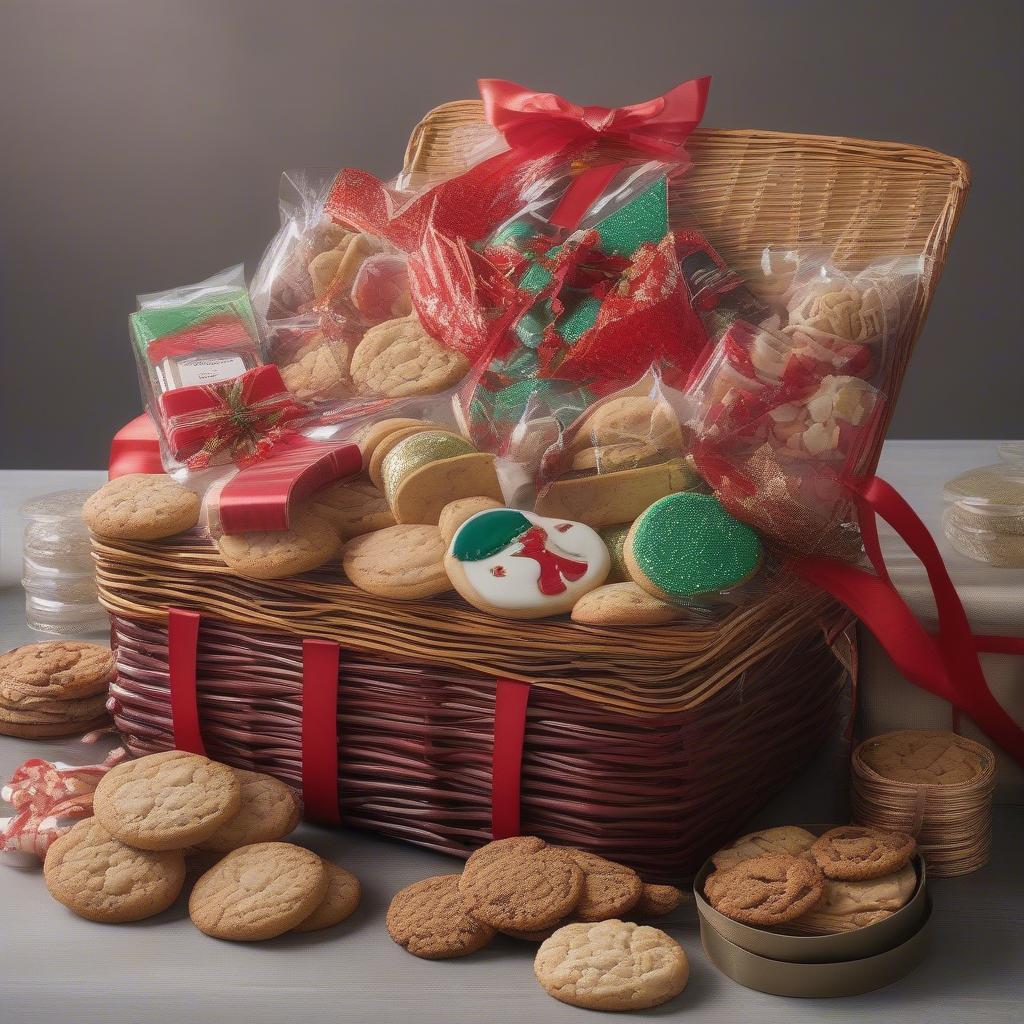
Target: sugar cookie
353, 507
269, 810
624, 604
308, 543
405, 563
524, 566
455, 513
339, 902
687, 546
612, 965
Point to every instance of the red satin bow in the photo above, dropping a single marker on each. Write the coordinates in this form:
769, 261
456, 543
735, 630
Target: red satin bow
543, 121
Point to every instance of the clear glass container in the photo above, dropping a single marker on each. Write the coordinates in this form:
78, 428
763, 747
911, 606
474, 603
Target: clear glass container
58, 573
984, 515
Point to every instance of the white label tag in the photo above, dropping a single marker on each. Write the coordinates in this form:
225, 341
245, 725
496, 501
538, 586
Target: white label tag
208, 369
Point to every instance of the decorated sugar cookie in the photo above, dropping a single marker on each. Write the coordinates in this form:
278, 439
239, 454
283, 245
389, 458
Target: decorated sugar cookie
524, 566
687, 546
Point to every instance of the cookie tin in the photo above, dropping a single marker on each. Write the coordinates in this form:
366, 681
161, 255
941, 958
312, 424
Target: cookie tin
817, 949
817, 980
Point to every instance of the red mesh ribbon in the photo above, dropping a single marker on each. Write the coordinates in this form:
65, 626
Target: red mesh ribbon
510, 699
946, 663
320, 664
182, 645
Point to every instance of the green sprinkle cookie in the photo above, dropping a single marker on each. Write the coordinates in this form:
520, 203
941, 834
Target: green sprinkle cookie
687, 545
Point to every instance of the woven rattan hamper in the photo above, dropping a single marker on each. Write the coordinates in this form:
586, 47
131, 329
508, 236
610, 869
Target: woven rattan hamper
445, 727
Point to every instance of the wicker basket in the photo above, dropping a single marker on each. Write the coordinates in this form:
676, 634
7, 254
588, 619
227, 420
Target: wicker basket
649, 745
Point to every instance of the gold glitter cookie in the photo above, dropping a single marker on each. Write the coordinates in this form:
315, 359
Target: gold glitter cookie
430, 919
353, 507
167, 801
847, 906
370, 435
521, 887
102, 879
308, 543
141, 506
609, 889
612, 965
455, 513
782, 839
624, 604
402, 562
258, 892
766, 890
55, 670
374, 462
339, 903
855, 852
269, 810
658, 900
921, 758
398, 358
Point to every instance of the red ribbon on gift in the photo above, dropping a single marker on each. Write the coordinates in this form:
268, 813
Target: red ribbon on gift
545, 122
243, 417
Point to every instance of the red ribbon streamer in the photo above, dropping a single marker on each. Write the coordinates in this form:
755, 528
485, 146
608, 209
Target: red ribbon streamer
510, 699
320, 665
182, 646
258, 497
135, 449
945, 664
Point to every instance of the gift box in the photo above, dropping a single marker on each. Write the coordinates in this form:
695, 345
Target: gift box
436, 723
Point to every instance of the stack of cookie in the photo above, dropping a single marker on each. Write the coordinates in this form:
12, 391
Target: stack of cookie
54, 689
787, 878
566, 899
151, 815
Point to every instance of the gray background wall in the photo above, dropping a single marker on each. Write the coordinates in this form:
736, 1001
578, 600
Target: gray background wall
141, 142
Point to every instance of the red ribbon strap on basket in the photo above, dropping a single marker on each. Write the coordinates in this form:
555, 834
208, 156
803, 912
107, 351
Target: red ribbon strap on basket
510, 700
182, 651
320, 664
946, 663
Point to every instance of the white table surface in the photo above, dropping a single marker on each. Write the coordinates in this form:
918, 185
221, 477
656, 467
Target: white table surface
55, 967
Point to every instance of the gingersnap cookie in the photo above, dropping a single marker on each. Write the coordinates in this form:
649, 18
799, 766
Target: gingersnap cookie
103, 879
611, 965
922, 758
782, 839
658, 900
523, 566
624, 604
613, 498
767, 890
687, 546
455, 513
35, 730
847, 906
353, 507
308, 543
258, 892
374, 463
630, 419
609, 889
398, 358
339, 902
367, 437
269, 810
431, 920
521, 887
57, 670
141, 506
167, 801
405, 563
855, 852
39, 711
424, 472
